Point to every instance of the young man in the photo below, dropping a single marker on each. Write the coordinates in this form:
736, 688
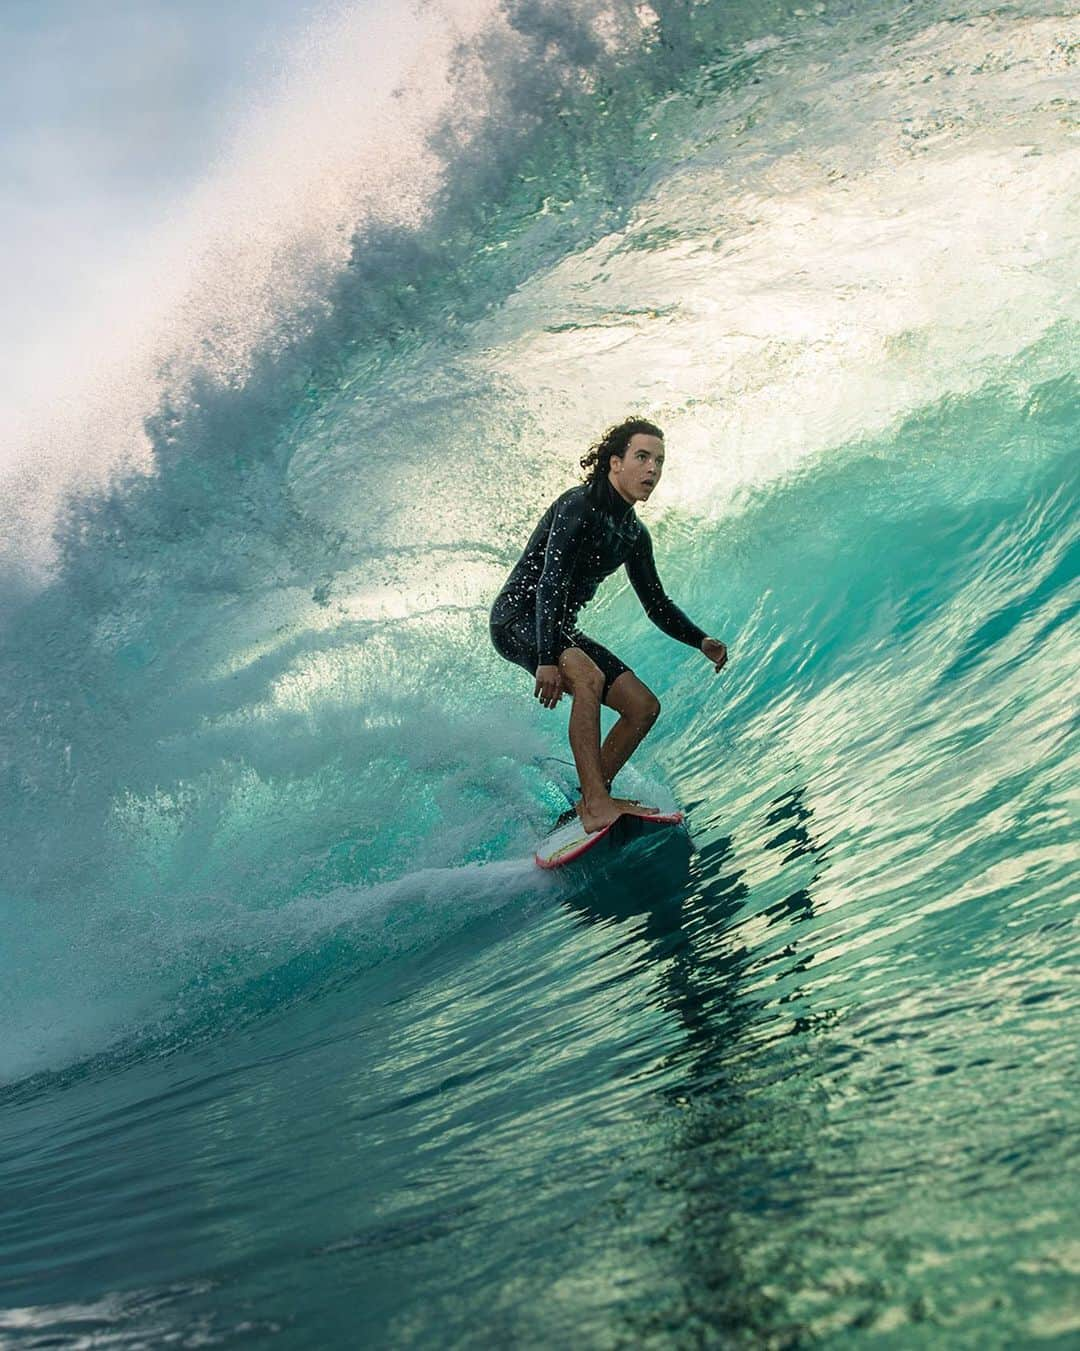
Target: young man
583, 537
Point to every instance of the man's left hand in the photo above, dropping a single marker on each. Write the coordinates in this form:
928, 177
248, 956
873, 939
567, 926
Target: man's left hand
716, 652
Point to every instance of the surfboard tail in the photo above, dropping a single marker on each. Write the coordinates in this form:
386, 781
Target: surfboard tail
571, 841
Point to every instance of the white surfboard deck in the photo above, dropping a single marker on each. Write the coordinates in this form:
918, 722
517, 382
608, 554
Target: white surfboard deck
568, 842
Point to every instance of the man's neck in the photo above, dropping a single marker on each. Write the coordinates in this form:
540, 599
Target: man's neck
618, 491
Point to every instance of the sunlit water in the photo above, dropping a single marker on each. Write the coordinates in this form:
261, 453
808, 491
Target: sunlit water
299, 1048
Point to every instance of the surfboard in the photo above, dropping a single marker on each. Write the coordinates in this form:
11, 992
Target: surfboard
571, 840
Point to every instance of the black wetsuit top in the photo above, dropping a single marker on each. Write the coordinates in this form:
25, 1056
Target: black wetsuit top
583, 537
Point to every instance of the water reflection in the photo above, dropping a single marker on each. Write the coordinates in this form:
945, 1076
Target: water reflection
688, 898
725, 1162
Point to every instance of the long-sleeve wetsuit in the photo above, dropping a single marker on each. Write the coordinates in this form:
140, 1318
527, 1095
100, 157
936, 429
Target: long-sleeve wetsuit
583, 537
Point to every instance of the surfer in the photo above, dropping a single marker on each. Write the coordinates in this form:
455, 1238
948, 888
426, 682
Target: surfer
583, 537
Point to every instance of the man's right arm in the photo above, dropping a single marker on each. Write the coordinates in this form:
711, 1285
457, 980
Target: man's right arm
568, 530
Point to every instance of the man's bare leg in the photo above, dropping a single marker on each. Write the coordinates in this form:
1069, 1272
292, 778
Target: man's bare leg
585, 681
638, 708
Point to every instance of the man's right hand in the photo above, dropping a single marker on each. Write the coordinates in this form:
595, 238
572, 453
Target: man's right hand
549, 685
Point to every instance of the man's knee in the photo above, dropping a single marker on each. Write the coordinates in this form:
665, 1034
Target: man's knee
581, 673
634, 701
644, 709
649, 709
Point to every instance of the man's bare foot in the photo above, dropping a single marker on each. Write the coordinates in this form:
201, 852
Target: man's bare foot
604, 811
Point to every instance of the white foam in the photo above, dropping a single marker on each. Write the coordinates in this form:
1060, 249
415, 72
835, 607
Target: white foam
339, 141
848, 243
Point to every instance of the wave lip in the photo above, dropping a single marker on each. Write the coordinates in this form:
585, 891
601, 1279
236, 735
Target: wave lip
270, 794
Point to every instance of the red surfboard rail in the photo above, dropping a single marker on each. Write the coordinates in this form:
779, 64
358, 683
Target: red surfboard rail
574, 848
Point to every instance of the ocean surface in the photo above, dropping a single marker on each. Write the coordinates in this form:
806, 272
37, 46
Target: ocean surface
297, 1046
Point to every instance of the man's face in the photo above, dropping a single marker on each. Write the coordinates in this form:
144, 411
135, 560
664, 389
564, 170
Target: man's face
638, 472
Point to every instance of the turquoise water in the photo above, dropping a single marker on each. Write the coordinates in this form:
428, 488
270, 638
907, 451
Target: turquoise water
299, 1048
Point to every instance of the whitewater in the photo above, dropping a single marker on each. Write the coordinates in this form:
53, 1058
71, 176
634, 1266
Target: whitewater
297, 1046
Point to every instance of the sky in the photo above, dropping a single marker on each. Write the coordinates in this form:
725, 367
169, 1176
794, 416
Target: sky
110, 113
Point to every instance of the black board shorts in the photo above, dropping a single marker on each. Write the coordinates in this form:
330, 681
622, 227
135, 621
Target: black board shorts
516, 641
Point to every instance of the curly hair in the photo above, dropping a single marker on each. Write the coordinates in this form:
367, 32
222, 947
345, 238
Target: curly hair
597, 459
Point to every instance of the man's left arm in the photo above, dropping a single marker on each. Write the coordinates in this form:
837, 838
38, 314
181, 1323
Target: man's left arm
661, 609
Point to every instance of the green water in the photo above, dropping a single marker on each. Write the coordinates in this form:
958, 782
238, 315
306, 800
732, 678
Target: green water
299, 1047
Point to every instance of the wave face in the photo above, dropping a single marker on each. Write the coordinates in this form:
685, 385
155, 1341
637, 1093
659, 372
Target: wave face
298, 1045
